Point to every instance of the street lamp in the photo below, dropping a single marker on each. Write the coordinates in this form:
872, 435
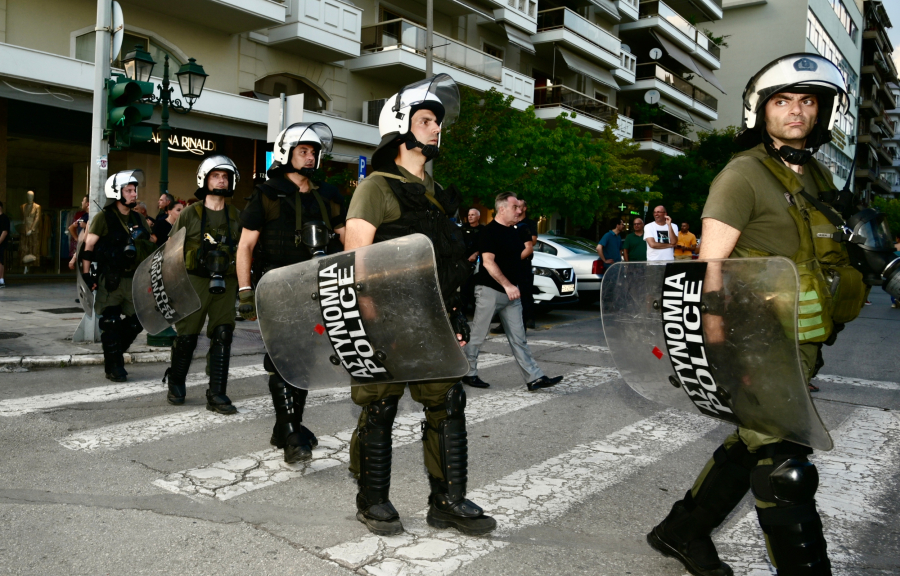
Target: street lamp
191, 78
138, 64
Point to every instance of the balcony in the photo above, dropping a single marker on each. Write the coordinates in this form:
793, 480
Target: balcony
324, 30
550, 101
674, 88
628, 9
658, 139
231, 16
565, 27
658, 16
627, 67
871, 107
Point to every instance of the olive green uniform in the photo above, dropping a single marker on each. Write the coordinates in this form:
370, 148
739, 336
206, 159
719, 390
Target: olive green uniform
219, 308
120, 296
375, 203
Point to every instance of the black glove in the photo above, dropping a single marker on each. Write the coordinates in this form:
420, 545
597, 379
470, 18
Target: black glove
90, 279
458, 320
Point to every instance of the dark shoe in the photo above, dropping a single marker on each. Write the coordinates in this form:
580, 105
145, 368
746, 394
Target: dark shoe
219, 402
530, 324
116, 374
498, 330
813, 388
698, 556
543, 382
381, 519
474, 382
464, 515
298, 446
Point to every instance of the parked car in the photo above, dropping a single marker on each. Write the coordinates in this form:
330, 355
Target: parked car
554, 281
580, 255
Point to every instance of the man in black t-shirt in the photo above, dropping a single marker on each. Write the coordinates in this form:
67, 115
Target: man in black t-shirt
471, 228
496, 291
4, 237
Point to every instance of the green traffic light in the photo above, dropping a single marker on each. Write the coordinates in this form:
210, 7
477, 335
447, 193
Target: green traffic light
126, 109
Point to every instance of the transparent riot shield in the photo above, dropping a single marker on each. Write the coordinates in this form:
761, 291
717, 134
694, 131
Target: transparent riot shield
374, 314
718, 337
162, 289
85, 295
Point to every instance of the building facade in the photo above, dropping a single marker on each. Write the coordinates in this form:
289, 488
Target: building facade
610, 62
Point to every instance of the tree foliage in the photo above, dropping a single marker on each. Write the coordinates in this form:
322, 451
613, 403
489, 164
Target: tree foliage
684, 180
493, 148
891, 209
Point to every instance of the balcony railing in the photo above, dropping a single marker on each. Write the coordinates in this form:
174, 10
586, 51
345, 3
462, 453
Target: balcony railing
657, 72
627, 61
565, 18
661, 9
402, 34
654, 133
565, 97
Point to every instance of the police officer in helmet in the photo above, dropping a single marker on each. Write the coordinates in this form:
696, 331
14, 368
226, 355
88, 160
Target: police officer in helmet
397, 199
117, 241
272, 221
773, 199
212, 233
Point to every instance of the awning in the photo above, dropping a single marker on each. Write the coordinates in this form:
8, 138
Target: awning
700, 122
519, 38
608, 7
688, 61
676, 111
476, 9
582, 66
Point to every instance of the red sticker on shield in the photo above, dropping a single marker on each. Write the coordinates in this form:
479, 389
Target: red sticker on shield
319, 329
658, 353
150, 290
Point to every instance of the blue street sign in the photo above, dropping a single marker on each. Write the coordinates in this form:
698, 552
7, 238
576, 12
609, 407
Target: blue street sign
362, 167
269, 156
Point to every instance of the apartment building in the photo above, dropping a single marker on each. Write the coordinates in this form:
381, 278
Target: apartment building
891, 143
607, 61
758, 31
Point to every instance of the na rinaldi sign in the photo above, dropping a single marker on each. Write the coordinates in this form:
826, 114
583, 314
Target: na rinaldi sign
188, 143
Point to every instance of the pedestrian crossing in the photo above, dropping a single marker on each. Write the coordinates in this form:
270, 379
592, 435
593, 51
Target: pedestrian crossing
855, 477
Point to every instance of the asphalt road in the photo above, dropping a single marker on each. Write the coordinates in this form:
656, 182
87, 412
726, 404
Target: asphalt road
102, 478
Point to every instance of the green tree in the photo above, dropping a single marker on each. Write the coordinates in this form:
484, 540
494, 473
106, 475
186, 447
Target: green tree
684, 180
891, 209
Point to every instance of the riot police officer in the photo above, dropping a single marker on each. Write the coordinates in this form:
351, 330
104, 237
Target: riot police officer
212, 235
397, 199
774, 199
117, 241
271, 238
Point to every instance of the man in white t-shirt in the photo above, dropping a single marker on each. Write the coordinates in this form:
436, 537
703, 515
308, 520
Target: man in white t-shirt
661, 236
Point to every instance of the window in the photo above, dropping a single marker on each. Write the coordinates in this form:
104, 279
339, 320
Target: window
601, 97
493, 50
835, 160
85, 44
314, 98
844, 16
545, 248
817, 36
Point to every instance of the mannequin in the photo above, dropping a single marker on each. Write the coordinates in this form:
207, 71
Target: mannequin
30, 243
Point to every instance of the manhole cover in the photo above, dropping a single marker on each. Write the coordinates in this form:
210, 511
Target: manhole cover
71, 310
9, 335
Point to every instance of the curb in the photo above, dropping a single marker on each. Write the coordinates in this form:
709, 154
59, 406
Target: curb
8, 363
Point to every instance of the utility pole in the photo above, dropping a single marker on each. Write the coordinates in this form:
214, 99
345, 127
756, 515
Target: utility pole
429, 38
87, 330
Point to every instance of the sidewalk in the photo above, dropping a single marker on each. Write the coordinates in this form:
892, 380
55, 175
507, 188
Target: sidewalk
37, 322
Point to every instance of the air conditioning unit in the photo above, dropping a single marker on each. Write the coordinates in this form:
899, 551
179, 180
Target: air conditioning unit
371, 109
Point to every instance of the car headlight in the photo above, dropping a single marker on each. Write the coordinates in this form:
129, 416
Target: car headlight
539, 271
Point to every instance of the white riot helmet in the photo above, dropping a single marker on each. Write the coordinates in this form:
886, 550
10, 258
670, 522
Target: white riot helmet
119, 180
212, 163
440, 94
794, 73
315, 134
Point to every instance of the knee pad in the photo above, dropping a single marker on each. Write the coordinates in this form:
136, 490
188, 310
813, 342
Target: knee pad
268, 365
222, 334
456, 402
381, 413
788, 482
110, 319
132, 325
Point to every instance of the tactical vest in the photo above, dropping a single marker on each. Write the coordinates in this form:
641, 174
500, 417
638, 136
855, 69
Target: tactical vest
194, 246
425, 214
110, 248
831, 290
279, 245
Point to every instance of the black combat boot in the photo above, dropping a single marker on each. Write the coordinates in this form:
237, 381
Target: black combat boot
447, 504
289, 433
130, 329
176, 374
685, 533
110, 339
374, 509
219, 356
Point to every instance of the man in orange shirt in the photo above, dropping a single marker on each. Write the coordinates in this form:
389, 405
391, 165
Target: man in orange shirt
687, 243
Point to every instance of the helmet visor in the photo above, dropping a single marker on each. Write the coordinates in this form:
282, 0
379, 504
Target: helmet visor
877, 234
797, 74
312, 133
126, 177
442, 87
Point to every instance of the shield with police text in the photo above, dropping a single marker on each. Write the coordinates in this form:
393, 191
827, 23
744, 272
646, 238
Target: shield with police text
373, 315
718, 337
162, 289
85, 295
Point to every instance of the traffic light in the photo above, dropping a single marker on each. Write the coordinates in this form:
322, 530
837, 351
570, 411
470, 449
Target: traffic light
125, 110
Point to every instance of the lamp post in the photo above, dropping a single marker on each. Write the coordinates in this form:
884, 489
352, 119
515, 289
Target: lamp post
191, 77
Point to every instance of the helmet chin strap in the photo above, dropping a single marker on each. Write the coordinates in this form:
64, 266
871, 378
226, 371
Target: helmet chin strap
307, 172
131, 205
429, 151
793, 156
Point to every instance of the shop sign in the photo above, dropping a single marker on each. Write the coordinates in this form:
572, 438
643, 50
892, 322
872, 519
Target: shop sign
185, 143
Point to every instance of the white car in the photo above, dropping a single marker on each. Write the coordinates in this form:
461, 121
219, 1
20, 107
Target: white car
554, 281
579, 255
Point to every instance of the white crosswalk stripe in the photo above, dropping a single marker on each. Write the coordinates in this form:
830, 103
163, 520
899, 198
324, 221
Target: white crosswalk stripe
852, 479
858, 382
44, 402
555, 344
525, 498
236, 476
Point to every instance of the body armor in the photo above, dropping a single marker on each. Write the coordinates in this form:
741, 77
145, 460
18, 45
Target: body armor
110, 248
